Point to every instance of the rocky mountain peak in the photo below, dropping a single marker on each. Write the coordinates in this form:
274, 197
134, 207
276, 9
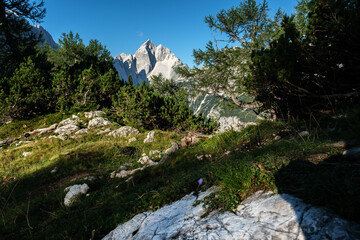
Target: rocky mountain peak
149, 60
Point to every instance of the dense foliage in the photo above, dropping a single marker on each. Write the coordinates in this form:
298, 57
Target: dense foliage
16, 39
312, 69
73, 77
84, 77
223, 70
296, 66
142, 107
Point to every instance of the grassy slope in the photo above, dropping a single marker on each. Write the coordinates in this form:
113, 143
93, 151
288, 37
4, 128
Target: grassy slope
31, 199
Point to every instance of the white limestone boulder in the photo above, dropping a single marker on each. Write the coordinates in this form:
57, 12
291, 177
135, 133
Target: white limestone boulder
124, 132
98, 122
262, 216
74, 120
67, 129
73, 193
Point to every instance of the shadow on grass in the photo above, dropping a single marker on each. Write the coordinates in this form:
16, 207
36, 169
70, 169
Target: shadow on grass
30, 215
333, 183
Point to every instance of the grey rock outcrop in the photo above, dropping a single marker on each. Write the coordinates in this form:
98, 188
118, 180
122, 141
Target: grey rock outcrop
262, 216
98, 122
73, 193
214, 107
25, 154
124, 132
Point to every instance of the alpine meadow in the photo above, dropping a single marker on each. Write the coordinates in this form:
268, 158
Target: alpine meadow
258, 139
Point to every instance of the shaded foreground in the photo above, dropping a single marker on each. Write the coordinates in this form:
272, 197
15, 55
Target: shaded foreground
269, 156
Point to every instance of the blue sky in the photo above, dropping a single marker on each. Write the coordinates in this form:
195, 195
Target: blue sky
123, 25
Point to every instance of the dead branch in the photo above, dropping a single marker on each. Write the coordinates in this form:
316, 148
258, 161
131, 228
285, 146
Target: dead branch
28, 134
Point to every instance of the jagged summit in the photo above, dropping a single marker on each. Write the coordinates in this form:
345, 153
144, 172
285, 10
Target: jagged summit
148, 60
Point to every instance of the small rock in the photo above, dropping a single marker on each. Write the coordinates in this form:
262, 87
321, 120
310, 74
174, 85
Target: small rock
67, 129
21, 142
150, 137
155, 153
185, 141
145, 160
200, 157
318, 157
132, 140
123, 173
304, 134
104, 131
81, 131
25, 154
277, 137
98, 122
353, 152
94, 114
189, 140
124, 132
174, 147
73, 192
74, 120
125, 166
54, 170
240, 207
90, 178
63, 137
340, 144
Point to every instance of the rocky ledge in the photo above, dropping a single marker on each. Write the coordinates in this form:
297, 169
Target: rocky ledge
262, 216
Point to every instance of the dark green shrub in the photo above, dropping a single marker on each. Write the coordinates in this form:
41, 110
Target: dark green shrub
142, 107
26, 93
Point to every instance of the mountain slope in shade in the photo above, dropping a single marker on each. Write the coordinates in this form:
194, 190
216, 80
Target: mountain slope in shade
44, 35
149, 60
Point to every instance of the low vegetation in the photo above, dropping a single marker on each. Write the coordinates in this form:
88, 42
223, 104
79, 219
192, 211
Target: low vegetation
240, 162
40, 86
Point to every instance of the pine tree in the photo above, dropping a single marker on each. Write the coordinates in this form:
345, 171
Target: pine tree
16, 40
224, 70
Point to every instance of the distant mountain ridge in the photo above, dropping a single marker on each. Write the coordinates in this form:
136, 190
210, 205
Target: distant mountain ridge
149, 60
44, 36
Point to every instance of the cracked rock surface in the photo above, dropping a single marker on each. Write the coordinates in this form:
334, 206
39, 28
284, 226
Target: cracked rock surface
262, 216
